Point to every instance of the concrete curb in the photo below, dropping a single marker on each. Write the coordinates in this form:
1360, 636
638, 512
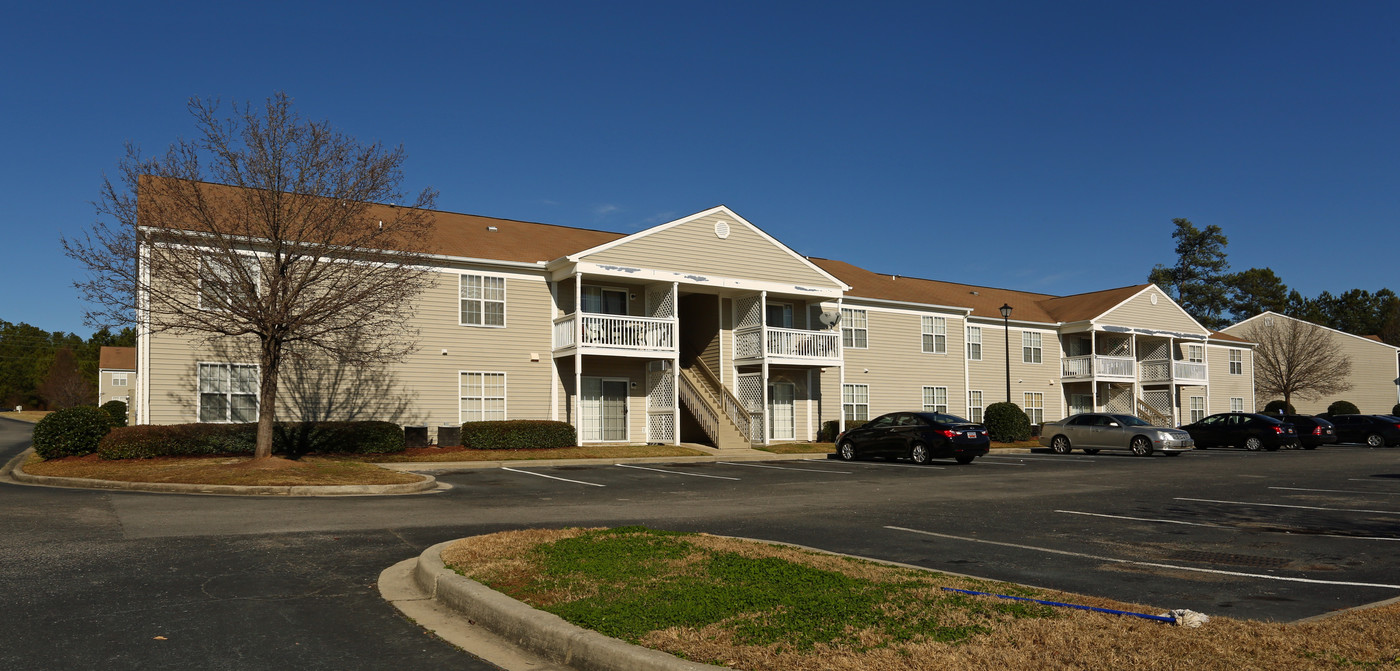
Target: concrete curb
425, 483
541, 633
451, 466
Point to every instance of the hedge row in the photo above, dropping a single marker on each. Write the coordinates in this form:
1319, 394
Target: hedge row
292, 439
71, 432
518, 434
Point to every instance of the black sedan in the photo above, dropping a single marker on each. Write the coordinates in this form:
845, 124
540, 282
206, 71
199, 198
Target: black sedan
1251, 431
920, 436
1373, 430
1312, 431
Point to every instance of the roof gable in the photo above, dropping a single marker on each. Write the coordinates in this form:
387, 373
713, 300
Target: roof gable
1371, 340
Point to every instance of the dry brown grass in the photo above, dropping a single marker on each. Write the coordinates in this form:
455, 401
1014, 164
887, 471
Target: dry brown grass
1073, 640
584, 452
32, 416
798, 448
221, 471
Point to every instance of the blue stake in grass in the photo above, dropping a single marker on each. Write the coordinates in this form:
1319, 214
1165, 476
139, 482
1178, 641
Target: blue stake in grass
1159, 618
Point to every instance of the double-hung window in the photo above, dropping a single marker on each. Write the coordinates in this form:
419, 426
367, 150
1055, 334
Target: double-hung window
855, 402
1198, 408
218, 282
1196, 353
483, 397
118, 379
1236, 404
1035, 407
483, 300
974, 406
1236, 362
228, 392
974, 343
935, 334
936, 399
855, 328
1031, 351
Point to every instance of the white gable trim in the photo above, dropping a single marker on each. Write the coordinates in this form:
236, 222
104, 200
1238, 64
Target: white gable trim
1153, 287
575, 257
1325, 328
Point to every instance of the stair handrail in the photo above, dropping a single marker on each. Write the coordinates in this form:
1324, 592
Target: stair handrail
1153, 414
733, 408
703, 412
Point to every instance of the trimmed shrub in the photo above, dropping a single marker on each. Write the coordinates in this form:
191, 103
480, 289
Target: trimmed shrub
297, 438
71, 432
1395, 411
829, 430
117, 411
292, 439
1276, 407
1343, 408
1006, 422
518, 434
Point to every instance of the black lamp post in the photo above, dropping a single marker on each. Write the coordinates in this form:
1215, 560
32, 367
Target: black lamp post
1006, 328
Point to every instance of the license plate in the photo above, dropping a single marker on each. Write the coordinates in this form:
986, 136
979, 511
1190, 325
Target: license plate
971, 434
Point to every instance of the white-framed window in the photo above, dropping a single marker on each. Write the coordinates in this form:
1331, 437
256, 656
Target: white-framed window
1196, 353
213, 294
1035, 407
1031, 351
936, 399
483, 300
483, 396
1236, 362
604, 300
974, 406
935, 334
779, 315
1198, 408
855, 328
855, 403
974, 343
1236, 404
118, 379
228, 392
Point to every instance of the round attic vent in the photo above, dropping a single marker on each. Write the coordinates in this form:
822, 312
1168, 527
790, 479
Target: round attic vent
721, 229
1153, 298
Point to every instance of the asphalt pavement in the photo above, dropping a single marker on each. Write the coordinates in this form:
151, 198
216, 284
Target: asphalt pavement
96, 577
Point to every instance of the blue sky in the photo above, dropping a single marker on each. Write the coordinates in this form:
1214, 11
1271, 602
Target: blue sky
1037, 146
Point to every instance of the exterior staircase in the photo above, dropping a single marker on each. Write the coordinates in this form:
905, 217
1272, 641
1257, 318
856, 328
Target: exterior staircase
1151, 414
719, 413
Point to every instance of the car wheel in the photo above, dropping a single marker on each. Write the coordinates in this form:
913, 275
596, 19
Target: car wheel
1060, 445
965, 459
1253, 444
1091, 450
846, 450
1375, 440
919, 453
1140, 446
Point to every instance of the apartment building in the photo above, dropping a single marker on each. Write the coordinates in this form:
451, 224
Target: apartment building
707, 329
1375, 365
116, 376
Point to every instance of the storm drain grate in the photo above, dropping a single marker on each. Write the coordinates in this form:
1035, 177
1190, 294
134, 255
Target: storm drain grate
1228, 558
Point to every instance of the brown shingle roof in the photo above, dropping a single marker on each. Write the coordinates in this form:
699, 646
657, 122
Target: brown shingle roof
1217, 335
117, 358
1373, 337
1080, 307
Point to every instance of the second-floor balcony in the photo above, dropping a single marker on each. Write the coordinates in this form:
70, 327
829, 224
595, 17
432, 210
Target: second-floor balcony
784, 345
600, 332
1096, 366
1162, 370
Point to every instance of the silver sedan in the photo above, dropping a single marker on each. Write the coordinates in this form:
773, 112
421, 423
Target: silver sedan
1094, 431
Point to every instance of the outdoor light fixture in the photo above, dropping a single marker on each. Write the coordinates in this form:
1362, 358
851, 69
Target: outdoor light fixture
1006, 327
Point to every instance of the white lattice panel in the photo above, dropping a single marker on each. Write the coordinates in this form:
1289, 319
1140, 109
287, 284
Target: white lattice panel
1115, 346
748, 312
659, 301
1153, 349
1120, 399
751, 395
661, 389
661, 427
1161, 401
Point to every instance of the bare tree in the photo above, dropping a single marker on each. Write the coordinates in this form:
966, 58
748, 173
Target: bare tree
1296, 358
64, 386
267, 233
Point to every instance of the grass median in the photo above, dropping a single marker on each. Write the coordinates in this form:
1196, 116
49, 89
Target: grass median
311, 470
763, 607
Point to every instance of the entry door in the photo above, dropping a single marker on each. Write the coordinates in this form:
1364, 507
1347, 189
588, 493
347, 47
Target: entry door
1081, 403
604, 409
782, 406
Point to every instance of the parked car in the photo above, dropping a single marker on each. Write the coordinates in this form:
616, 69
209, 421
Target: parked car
1093, 431
1312, 431
1373, 430
1249, 430
919, 436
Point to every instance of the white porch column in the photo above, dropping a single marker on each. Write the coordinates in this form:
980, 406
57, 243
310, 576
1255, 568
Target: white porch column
676, 364
841, 374
1094, 369
763, 352
1132, 351
578, 354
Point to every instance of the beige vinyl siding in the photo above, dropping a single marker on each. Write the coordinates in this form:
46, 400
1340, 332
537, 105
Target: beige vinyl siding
1139, 312
1373, 374
989, 374
107, 391
898, 367
634, 370
693, 248
1223, 385
422, 389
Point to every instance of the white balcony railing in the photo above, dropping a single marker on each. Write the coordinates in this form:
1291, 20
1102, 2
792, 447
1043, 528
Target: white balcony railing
617, 332
1185, 370
1094, 365
787, 344
1162, 370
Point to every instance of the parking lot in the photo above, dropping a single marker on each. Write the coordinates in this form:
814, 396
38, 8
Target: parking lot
1279, 536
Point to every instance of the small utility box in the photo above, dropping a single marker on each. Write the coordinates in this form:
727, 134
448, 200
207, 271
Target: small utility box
415, 436
449, 435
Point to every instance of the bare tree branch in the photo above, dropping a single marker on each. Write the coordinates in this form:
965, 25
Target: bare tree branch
1296, 358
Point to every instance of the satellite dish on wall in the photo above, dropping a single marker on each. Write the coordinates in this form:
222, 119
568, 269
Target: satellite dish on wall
829, 317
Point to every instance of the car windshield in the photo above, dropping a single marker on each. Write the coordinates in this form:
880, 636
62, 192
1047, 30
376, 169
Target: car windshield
1130, 420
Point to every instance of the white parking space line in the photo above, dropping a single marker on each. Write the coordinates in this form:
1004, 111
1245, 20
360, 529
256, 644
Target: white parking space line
542, 475
883, 463
659, 470
1066, 460
1336, 491
998, 463
1140, 519
1281, 505
1116, 560
782, 468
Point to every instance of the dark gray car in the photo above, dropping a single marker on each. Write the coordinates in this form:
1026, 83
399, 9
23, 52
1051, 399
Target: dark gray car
1094, 431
